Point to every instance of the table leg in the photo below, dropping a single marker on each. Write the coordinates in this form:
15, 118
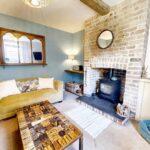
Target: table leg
81, 143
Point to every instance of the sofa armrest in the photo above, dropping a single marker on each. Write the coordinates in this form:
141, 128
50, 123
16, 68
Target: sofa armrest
58, 85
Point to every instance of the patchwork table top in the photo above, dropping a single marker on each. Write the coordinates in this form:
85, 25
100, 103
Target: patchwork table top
43, 127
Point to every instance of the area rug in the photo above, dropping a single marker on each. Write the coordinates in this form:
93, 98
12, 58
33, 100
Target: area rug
88, 120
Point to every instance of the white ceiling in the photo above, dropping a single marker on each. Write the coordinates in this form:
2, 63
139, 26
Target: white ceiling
66, 15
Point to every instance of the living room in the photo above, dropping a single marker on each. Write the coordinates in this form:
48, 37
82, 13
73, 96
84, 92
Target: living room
74, 75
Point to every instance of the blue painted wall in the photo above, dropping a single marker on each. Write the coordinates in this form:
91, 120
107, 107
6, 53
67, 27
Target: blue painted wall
58, 43
78, 45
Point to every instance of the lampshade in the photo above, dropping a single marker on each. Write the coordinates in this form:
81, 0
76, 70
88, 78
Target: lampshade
37, 3
71, 57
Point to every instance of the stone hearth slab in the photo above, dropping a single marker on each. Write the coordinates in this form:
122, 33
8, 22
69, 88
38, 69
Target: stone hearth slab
103, 107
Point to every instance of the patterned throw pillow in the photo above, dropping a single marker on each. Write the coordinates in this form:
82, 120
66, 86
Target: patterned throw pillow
34, 85
27, 86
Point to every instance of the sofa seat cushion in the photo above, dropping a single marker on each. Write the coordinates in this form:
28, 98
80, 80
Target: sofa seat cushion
11, 103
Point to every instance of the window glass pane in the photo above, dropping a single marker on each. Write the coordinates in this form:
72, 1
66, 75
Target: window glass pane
25, 50
37, 51
10, 48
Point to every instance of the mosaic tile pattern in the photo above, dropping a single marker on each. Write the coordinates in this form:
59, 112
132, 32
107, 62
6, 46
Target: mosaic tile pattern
43, 127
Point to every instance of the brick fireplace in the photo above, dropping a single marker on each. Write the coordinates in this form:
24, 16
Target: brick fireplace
129, 23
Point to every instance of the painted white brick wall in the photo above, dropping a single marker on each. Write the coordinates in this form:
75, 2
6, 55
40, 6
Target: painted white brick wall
129, 21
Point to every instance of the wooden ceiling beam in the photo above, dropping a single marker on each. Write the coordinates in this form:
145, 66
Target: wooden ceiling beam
98, 5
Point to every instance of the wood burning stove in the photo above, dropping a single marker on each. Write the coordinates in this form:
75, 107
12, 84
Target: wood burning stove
110, 90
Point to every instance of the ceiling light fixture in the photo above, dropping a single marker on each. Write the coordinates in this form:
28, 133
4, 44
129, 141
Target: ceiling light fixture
37, 3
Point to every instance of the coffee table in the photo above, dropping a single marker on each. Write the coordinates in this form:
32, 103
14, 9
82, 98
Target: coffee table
43, 127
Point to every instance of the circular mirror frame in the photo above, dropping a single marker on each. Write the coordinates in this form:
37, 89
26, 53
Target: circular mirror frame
111, 41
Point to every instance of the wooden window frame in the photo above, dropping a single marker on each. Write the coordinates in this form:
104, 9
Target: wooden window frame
18, 34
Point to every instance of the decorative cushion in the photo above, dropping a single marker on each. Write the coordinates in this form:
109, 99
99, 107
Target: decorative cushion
27, 86
46, 83
8, 88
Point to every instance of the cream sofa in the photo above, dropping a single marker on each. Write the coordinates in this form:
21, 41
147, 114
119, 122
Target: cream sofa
10, 104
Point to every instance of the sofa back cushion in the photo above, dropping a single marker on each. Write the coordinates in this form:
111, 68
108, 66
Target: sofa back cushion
8, 88
26, 79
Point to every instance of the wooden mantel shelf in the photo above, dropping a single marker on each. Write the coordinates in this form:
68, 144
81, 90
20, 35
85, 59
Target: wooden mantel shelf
74, 71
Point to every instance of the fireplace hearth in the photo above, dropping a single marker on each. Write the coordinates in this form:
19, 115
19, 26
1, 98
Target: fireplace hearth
103, 107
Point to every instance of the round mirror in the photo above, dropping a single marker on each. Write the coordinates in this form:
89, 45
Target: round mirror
105, 39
